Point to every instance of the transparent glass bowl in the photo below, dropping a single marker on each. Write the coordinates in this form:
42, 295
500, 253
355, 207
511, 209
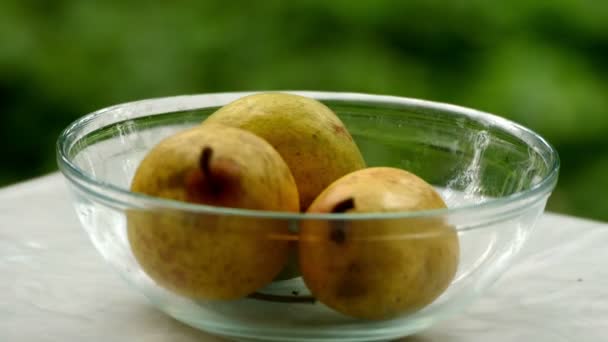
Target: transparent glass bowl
494, 175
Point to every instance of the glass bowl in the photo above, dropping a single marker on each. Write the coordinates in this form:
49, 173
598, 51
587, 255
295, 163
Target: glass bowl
494, 175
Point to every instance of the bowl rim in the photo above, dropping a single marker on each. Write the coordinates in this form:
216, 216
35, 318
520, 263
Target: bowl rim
123, 196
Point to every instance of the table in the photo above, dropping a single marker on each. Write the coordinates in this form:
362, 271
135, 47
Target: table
55, 287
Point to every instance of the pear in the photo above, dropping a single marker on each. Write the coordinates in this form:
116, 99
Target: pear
213, 256
377, 268
309, 136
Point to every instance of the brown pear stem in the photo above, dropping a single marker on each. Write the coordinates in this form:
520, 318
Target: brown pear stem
344, 205
205, 159
282, 299
205, 165
338, 232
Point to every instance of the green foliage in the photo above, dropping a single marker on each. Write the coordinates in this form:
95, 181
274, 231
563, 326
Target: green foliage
541, 63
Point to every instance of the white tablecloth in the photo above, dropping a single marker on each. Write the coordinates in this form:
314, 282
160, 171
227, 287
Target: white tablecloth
55, 287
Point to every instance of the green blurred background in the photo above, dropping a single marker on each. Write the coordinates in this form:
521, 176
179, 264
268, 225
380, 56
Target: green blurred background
540, 63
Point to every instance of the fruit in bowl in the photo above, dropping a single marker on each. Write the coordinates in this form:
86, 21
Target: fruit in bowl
224, 166
312, 140
378, 269
347, 267
211, 258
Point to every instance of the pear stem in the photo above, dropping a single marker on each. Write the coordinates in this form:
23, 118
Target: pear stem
205, 159
344, 205
338, 232
205, 165
282, 299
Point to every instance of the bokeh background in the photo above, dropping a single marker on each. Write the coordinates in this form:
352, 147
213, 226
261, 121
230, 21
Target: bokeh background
541, 63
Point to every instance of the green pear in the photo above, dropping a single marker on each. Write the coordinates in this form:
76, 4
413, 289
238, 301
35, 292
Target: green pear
309, 136
377, 268
213, 256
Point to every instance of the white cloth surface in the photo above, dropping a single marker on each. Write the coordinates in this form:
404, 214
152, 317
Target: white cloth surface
54, 286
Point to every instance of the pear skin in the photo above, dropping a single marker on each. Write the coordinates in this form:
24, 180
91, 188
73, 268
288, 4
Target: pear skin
378, 268
309, 136
213, 256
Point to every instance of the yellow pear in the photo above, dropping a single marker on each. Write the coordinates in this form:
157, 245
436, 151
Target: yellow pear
309, 136
376, 268
213, 256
